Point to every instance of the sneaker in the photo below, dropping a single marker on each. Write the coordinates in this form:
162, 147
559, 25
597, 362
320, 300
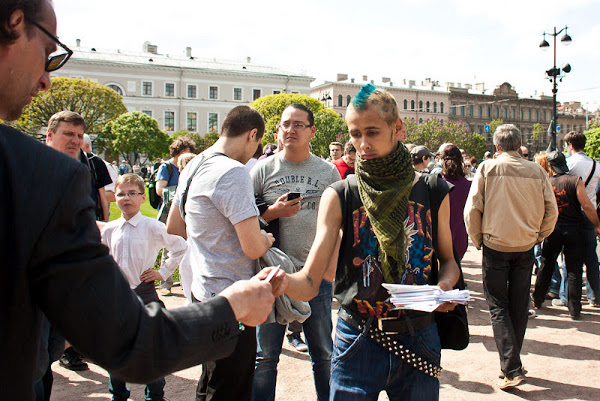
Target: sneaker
595, 304
532, 312
298, 344
552, 295
523, 373
72, 360
165, 292
558, 302
507, 383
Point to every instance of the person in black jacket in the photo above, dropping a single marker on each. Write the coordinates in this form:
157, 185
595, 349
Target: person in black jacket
52, 254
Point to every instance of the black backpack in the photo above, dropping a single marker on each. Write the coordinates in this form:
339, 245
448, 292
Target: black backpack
153, 198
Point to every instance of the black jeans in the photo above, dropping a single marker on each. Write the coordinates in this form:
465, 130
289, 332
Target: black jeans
569, 239
230, 378
506, 282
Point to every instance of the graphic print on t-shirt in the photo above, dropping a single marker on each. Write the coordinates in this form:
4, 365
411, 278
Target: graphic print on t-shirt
371, 296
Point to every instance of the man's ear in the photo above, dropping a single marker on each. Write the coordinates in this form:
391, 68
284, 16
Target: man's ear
49, 134
397, 126
252, 135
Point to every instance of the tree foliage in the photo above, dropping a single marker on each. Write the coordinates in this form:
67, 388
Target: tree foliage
433, 133
594, 123
97, 104
495, 124
202, 142
592, 143
538, 131
330, 126
135, 135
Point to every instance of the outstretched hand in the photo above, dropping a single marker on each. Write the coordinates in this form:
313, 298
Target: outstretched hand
279, 282
250, 300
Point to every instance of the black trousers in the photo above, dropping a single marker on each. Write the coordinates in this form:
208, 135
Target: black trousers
506, 282
569, 239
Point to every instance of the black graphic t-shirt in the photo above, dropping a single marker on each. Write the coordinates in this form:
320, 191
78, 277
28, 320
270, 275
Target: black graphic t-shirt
565, 192
358, 277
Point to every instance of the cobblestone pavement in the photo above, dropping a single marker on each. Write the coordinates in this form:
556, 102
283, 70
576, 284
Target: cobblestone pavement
562, 357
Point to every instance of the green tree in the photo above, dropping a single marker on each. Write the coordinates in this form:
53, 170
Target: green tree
592, 143
433, 133
594, 123
330, 126
495, 124
538, 131
97, 104
135, 135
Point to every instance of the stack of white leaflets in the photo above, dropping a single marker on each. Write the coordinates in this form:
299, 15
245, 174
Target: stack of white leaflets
423, 297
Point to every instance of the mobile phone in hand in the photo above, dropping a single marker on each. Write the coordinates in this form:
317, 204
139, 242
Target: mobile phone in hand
293, 195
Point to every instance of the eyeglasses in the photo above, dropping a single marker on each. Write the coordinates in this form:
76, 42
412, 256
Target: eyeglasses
54, 62
525, 154
130, 195
295, 127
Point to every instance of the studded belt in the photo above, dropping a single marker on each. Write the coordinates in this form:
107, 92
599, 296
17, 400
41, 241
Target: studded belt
373, 329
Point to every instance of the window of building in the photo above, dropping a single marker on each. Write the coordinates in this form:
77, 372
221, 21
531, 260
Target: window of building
529, 115
420, 105
405, 104
192, 122
442, 108
147, 112
349, 99
192, 91
420, 121
497, 112
256, 93
471, 111
453, 110
428, 106
213, 122
213, 92
116, 88
489, 112
544, 116
504, 113
480, 112
237, 93
462, 110
340, 100
537, 115
146, 88
435, 107
276, 92
513, 114
169, 89
169, 120
412, 105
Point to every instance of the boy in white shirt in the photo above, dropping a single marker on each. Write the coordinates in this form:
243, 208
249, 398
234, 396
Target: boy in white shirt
134, 241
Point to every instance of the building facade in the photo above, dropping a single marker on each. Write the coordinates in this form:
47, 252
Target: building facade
418, 102
181, 92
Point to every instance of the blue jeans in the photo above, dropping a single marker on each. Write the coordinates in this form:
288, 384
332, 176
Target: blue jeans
154, 391
361, 368
590, 259
317, 330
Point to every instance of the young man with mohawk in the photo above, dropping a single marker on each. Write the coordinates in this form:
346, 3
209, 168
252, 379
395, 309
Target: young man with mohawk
392, 219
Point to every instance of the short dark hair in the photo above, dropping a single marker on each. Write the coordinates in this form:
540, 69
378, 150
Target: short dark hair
242, 119
575, 139
180, 144
32, 10
65, 116
337, 144
298, 106
349, 148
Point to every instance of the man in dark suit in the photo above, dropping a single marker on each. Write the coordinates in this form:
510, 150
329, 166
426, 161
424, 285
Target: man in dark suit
52, 254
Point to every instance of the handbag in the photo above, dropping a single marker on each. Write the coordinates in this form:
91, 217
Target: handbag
453, 326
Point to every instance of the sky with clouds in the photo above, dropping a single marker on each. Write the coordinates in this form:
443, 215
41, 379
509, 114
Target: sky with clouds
467, 41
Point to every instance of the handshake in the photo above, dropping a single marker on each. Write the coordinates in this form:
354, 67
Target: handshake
252, 300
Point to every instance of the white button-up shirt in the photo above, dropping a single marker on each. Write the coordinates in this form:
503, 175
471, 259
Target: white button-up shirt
135, 243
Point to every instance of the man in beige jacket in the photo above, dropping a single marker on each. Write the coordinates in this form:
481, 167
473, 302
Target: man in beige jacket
510, 208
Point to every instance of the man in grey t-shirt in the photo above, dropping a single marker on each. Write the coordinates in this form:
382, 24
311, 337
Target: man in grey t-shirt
278, 179
224, 237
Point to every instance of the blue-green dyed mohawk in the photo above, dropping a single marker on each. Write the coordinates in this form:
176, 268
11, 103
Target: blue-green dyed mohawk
360, 99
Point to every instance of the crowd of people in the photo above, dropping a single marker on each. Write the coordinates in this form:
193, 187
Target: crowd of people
265, 242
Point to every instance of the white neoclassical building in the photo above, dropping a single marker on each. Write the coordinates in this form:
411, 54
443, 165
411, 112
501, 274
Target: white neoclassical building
181, 92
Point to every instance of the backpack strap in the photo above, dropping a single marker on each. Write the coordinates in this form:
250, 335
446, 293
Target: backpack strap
184, 195
170, 170
591, 174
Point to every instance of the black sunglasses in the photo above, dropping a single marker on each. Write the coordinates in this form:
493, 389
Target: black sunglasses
54, 62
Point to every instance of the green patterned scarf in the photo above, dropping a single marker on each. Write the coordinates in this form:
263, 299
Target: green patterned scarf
384, 185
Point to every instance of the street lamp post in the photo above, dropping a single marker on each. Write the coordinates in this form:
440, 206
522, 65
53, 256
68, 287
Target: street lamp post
554, 74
